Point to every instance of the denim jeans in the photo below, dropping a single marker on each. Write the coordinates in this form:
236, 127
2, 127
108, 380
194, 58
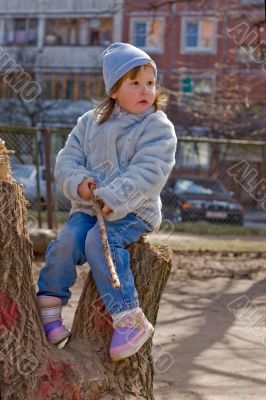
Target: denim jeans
80, 241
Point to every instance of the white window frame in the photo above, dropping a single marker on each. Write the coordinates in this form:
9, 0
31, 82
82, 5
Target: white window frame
159, 49
201, 50
197, 76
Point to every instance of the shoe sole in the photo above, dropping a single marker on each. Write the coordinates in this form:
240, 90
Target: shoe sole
59, 339
132, 351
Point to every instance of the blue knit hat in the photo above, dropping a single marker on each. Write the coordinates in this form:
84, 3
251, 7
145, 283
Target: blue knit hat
119, 58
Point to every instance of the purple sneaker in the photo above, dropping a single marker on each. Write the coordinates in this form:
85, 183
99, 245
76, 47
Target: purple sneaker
130, 334
56, 332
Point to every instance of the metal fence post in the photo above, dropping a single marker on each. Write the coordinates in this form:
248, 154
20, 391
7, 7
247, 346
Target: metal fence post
37, 164
49, 196
55, 198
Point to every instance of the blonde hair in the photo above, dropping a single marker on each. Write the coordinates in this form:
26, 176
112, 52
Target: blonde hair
105, 108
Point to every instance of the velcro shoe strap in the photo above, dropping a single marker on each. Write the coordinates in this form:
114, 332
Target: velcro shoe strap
135, 320
51, 312
52, 325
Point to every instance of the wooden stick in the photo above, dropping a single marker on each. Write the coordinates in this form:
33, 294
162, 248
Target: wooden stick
106, 248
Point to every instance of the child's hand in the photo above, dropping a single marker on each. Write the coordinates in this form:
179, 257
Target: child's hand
106, 209
84, 190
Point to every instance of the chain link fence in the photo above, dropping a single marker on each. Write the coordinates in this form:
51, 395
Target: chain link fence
214, 180
33, 165
217, 180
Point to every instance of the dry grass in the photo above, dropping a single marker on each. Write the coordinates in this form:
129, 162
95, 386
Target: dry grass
185, 242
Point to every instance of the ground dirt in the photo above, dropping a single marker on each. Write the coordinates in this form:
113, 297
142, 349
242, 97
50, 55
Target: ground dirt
211, 332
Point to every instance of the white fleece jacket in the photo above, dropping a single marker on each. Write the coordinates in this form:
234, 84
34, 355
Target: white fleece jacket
130, 157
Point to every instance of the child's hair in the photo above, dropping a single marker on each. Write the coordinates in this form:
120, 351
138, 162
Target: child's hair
105, 108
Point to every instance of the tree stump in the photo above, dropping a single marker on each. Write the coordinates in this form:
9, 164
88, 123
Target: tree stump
30, 368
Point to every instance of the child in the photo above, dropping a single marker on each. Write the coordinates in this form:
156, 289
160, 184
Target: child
126, 147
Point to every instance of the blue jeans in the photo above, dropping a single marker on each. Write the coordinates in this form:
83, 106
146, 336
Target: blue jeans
80, 241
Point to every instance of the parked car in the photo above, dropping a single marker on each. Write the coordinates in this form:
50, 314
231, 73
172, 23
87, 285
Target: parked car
195, 199
27, 175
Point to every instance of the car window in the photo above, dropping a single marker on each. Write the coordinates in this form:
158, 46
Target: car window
22, 171
198, 187
218, 187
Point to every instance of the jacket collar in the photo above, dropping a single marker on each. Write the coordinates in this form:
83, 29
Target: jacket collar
119, 112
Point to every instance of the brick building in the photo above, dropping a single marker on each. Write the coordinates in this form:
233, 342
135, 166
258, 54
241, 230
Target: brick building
199, 45
59, 46
210, 54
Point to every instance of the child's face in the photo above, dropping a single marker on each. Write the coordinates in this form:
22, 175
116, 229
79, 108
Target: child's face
137, 95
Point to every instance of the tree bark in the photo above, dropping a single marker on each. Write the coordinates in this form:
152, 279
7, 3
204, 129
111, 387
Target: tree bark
30, 368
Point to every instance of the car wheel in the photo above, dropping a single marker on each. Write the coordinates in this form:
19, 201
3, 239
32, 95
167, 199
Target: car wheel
239, 221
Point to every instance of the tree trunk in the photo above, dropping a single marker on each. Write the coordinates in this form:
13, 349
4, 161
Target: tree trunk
30, 368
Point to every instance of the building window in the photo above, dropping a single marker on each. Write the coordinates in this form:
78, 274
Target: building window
72, 86
2, 88
61, 32
46, 85
20, 32
69, 95
198, 35
7, 90
148, 34
196, 89
79, 31
193, 155
12, 84
59, 87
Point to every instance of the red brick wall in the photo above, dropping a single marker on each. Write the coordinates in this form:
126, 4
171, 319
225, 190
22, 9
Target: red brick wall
223, 63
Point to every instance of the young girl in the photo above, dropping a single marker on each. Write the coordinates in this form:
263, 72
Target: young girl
126, 147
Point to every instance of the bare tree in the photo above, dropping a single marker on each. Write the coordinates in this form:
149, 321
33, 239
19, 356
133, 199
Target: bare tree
237, 106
